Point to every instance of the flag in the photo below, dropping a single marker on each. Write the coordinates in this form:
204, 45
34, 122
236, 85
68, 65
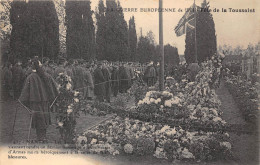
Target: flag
187, 22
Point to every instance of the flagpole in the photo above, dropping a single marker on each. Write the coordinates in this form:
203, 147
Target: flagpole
161, 78
196, 55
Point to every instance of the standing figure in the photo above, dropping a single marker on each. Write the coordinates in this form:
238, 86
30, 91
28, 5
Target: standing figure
6, 82
99, 79
18, 79
107, 77
89, 90
124, 79
38, 93
150, 75
115, 80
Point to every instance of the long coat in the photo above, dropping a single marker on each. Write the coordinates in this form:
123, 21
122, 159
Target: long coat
88, 80
124, 79
107, 77
78, 78
99, 79
37, 95
115, 81
18, 80
6, 82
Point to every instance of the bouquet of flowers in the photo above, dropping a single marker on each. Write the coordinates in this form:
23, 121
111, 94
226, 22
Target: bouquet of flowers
67, 104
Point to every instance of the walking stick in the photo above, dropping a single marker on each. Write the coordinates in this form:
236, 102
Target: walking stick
14, 121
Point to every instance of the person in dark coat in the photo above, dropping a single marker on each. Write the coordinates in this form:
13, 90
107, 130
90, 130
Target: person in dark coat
107, 77
115, 80
150, 75
18, 79
124, 79
38, 93
89, 84
99, 79
46, 67
6, 83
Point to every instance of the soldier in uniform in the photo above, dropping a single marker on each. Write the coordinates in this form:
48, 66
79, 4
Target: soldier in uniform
124, 79
99, 83
107, 77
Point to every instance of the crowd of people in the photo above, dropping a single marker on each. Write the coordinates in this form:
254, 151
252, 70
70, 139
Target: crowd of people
97, 80
35, 84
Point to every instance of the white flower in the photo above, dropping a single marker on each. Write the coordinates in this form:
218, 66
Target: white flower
143, 129
76, 93
171, 132
166, 127
226, 144
186, 154
68, 86
161, 106
69, 111
152, 100
128, 148
168, 103
60, 124
175, 100
93, 141
216, 119
61, 74
76, 100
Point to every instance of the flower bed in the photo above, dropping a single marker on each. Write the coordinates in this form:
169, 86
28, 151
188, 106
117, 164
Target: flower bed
128, 136
245, 95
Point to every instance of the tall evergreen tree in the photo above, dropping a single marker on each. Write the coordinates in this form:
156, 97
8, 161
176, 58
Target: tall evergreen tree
101, 31
146, 50
18, 40
80, 38
36, 29
116, 33
171, 55
206, 37
132, 39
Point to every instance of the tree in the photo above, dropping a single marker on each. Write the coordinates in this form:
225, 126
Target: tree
35, 29
101, 31
132, 39
146, 50
80, 38
116, 33
205, 36
171, 56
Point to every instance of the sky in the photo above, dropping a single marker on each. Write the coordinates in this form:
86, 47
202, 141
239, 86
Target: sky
231, 28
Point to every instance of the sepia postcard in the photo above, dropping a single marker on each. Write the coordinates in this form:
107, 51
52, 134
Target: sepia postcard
129, 82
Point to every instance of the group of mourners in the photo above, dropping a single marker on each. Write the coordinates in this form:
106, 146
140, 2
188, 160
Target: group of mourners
35, 87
